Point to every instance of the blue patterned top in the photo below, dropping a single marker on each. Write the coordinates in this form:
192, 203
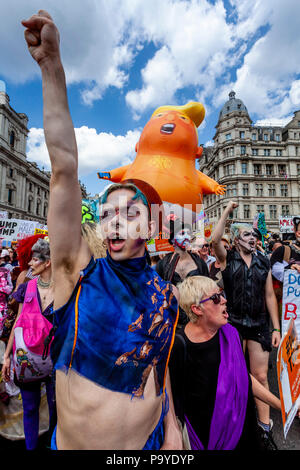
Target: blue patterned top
118, 325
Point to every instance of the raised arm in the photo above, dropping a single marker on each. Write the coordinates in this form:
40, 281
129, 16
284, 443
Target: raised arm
68, 250
217, 244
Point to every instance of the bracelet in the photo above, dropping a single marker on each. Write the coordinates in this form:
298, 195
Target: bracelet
275, 329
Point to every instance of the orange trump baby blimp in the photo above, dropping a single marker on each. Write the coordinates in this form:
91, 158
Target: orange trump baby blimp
165, 157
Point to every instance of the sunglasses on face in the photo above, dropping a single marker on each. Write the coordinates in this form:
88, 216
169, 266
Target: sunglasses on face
216, 298
203, 246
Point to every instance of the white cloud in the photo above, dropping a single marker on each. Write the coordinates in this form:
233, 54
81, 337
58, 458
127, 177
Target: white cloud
96, 151
273, 122
252, 47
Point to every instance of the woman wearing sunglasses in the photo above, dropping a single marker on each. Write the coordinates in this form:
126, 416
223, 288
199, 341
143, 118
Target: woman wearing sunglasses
212, 390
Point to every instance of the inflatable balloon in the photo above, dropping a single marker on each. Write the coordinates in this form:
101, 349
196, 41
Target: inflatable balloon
165, 157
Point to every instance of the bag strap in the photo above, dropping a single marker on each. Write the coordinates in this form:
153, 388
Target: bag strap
174, 267
287, 253
31, 288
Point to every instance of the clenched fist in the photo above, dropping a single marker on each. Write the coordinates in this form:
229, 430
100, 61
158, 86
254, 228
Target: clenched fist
42, 37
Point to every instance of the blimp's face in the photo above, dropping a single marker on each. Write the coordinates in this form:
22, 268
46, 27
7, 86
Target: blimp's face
170, 132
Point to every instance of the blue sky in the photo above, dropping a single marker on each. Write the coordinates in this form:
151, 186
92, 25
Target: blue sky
125, 58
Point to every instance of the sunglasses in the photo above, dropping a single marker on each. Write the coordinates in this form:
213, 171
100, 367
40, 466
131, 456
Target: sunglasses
204, 246
216, 298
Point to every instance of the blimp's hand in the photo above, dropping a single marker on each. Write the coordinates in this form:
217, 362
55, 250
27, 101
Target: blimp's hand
220, 189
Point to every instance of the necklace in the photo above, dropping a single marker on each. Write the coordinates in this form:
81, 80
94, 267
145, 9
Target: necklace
42, 284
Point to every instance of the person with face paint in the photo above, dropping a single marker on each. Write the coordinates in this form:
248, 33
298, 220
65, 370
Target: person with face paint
251, 302
41, 297
115, 318
175, 267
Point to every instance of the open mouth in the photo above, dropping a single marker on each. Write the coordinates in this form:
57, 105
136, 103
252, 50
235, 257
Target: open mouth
116, 244
167, 128
225, 314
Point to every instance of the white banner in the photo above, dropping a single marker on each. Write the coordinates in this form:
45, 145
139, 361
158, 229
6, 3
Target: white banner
286, 224
16, 229
291, 300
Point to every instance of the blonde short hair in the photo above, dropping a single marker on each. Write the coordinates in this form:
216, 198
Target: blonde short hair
192, 290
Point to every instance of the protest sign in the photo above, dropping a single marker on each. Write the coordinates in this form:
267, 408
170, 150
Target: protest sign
3, 215
286, 224
159, 246
291, 300
16, 229
208, 228
288, 373
40, 231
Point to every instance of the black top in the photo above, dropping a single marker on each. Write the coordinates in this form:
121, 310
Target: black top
194, 386
293, 254
245, 289
166, 269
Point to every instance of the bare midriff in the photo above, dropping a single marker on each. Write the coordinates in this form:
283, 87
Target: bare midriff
91, 417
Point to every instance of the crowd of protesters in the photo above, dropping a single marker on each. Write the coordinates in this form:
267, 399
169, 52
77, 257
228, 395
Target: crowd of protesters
163, 354
207, 275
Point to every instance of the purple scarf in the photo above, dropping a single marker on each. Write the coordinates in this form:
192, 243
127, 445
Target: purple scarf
231, 396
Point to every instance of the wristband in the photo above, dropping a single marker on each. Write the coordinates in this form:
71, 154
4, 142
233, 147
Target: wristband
275, 329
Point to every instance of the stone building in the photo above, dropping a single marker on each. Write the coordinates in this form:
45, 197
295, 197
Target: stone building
24, 188
260, 165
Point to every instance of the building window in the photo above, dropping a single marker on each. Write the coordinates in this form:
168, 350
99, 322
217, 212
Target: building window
229, 152
254, 136
45, 210
282, 170
242, 134
38, 207
285, 210
267, 152
270, 170
38, 191
30, 186
228, 136
11, 173
10, 196
243, 149
245, 189
278, 153
273, 212
259, 189
229, 169
260, 208
245, 168
298, 169
265, 137
246, 211
255, 152
283, 190
272, 190
12, 139
257, 169
29, 207
277, 137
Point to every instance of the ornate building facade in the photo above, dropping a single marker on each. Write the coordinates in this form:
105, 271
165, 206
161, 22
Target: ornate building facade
24, 188
259, 164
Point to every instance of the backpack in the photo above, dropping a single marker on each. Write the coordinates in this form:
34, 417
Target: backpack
32, 338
